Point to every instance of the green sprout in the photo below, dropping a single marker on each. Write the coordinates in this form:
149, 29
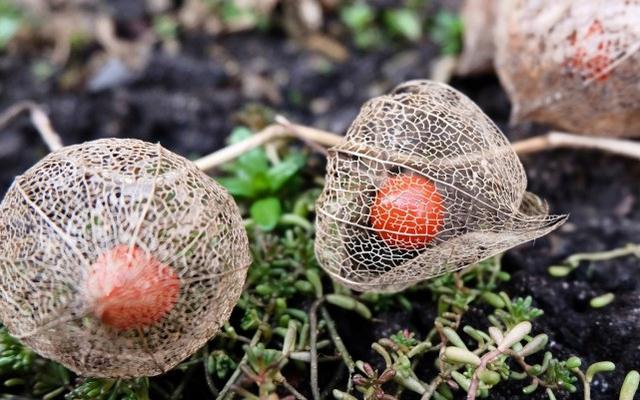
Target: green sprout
263, 182
446, 31
10, 21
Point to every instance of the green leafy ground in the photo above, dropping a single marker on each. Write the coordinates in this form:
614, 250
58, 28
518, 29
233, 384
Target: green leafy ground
284, 341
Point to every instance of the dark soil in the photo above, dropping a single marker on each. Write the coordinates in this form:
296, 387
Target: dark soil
190, 102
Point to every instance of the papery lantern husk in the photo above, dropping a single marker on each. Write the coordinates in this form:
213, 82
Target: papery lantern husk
433, 131
84, 200
478, 49
572, 64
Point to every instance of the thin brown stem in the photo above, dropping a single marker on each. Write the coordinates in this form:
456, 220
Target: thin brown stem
556, 140
299, 396
283, 128
475, 378
38, 118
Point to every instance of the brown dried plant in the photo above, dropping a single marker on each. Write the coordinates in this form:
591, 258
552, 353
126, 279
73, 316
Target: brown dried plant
424, 184
478, 49
572, 64
118, 258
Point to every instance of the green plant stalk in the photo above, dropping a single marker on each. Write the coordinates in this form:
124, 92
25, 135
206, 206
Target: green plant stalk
337, 341
630, 386
224, 393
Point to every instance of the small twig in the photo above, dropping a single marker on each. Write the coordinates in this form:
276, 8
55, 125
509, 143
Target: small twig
555, 140
313, 343
585, 383
337, 341
283, 128
475, 378
291, 389
433, 386
38, 118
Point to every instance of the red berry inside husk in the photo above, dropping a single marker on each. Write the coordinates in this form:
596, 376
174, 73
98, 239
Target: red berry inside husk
129, 288
408, 212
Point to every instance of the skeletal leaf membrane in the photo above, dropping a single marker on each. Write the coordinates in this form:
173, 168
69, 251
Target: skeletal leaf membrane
572, 64
118, 258
435, 133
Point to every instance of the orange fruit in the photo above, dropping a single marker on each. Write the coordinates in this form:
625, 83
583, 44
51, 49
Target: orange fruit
129, 288
408, 212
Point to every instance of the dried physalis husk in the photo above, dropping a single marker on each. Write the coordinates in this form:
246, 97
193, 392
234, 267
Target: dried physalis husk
424, 184
572, 64
478, 18
119, 258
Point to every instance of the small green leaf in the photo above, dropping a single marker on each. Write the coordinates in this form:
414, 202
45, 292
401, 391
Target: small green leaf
238, 134
595, 368
559, 271
462, 356
266, 212
493, 299
252, 162
447, 32
280, 173
238, 186
349, 303
630, 386
601, 301
357, 16
10, 21
490, 378
516, 334
573, 362
404, 22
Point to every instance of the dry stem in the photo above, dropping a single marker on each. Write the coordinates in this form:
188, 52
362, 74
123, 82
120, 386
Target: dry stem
283, 128
38, 118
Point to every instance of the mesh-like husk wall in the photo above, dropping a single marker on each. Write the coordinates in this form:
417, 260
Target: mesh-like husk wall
79, 202
573, 64
427, 130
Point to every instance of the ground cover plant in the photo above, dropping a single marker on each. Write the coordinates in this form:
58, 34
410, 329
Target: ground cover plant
568, 303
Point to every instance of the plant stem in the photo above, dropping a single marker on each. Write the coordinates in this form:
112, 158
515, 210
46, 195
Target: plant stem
227, 387
475, 379
313, 343
337, 341
555, 140
585, 384
38, 118
283, 381
628, 250
283, 128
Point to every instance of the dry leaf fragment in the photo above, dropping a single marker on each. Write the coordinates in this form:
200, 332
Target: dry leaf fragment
572, 64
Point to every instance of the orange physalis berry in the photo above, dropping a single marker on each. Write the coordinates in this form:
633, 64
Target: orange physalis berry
129, 288
408, 212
